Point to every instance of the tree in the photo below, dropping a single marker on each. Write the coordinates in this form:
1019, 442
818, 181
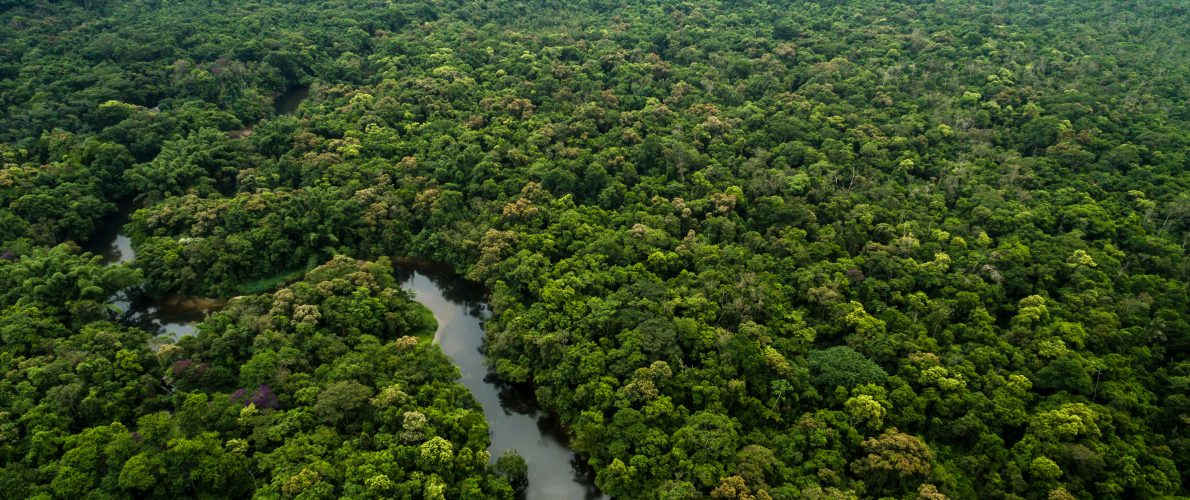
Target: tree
865, 409
512, 467
894, 458
843, 367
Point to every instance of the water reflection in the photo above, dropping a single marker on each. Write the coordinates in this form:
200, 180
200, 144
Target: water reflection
108, 241
514, 418
172, 315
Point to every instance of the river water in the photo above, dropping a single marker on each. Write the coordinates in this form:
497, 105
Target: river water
172, 315
514, 418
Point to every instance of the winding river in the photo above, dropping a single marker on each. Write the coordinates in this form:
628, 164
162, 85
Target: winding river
514, 418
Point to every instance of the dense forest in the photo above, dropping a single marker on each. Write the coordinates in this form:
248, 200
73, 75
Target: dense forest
749, 249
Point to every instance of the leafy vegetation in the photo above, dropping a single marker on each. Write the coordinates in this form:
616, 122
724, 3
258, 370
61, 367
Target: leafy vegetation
742, 249
314, 390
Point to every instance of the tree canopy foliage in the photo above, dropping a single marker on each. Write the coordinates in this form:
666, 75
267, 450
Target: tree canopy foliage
743, 249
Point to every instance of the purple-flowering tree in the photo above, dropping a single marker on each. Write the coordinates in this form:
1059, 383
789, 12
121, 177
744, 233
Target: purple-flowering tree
263, 397
239, 395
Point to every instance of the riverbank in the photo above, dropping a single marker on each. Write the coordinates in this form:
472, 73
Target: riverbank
515, 419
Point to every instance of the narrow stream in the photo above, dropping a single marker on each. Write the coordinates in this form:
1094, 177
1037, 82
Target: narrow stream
514, 418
